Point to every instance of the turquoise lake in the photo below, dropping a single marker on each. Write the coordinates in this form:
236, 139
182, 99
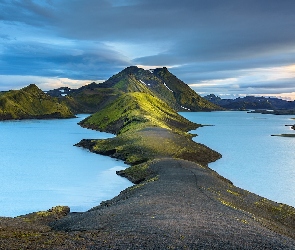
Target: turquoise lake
251, 158
40, 168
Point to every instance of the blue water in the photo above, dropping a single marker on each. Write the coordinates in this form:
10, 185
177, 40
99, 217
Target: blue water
40, 168
251, 158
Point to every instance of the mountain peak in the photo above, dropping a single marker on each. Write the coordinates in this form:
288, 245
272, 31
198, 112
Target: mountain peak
30, 87
161, 83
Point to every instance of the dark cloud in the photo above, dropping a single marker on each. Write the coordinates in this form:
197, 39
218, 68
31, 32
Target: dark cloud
26, 11
60, 61
205, 39
282, 84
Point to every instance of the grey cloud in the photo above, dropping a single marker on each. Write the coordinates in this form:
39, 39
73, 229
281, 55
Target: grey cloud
199, 29
29, 12
207, 39
287, 84
198, 71
49, 60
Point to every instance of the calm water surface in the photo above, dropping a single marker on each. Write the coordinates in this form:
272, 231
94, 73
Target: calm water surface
40, 167
251, 158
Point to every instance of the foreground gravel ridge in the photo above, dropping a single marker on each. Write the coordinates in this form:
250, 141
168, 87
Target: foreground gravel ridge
181, 207
175, 211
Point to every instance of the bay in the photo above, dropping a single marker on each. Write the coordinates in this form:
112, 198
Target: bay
251, 158
40, 168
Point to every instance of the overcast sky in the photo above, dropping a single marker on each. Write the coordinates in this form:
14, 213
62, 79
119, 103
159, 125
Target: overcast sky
228, 47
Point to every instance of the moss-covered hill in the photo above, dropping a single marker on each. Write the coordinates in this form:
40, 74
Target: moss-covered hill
31, 103
146, 128
145, 120
134, 111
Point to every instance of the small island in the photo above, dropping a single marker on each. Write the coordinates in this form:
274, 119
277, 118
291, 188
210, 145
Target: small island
176, 201
285, 135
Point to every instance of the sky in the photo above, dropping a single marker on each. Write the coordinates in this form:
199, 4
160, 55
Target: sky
229, 48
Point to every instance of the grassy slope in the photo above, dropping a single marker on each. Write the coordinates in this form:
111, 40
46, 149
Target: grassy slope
134, 111
31, 102
147, 128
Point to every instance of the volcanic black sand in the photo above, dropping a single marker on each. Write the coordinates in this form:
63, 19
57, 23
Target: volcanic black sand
176, 211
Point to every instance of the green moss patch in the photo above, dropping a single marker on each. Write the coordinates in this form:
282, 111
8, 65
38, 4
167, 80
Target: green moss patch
134, 111
150, 143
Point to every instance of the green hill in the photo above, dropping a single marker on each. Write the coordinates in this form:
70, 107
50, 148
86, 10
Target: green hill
31, 103
146, 128
137, 110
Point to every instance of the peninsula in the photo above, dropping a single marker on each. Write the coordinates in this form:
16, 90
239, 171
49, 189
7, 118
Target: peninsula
177, 202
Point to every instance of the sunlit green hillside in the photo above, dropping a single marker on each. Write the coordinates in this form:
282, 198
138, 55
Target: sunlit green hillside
30, 103
136, 110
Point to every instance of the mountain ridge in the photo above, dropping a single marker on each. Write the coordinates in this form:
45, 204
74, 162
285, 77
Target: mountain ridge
251, 102
157, 82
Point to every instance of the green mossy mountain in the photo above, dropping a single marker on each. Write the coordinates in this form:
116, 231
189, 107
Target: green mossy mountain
162, 84
158, 82
31, 103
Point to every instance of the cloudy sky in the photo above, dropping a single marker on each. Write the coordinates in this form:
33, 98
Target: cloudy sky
228, 47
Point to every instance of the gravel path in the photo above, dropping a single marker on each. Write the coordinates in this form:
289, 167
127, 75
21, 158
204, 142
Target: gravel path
174, 212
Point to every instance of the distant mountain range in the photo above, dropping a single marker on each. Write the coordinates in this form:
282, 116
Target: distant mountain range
252, 102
